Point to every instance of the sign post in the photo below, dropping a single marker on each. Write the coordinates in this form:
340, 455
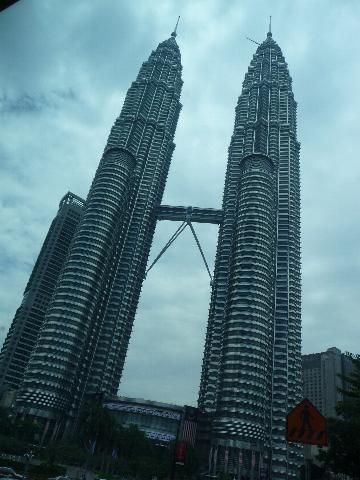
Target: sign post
306, 425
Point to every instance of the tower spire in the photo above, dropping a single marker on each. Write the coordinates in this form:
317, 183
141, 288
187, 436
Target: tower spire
174, 32
269, 32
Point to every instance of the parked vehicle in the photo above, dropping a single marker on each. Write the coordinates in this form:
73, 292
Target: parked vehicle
7, 472
61, 477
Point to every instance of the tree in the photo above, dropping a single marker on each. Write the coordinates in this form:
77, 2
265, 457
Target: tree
97, 426
27, 430
18, 429
5, 422
344, 433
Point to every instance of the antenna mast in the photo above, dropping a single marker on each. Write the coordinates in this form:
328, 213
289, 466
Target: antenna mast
174, 32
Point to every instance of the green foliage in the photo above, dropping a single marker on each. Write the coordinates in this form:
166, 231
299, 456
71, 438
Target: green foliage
17, 466
100, 444
135, 455
26, 430
46, 470
224, 476
344, 434
12, 445
17, 430
191, 466
67, 452
5, 422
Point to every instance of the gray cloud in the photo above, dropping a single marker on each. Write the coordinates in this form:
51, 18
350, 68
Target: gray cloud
26, 103
65, 72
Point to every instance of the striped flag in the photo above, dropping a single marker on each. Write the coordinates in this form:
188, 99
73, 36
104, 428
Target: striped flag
240, 463
226, 459
210, 458
215, 459
189, 424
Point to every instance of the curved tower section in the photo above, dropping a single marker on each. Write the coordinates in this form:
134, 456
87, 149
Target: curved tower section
249, 309
154, 100
83, 341
251, 375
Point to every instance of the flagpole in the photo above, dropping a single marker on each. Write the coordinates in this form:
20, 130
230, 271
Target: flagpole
215, 459
226, 459
172, 475
210, 460
253, 461
240, 462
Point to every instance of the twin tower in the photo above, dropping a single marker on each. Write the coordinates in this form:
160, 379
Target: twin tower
251, 368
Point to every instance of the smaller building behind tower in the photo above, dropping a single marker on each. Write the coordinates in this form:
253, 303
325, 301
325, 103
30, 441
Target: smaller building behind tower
322, 374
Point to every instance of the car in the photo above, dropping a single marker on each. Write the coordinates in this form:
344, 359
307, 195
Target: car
60, 477
6, 472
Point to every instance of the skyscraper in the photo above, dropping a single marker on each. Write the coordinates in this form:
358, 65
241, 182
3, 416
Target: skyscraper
83, 342
251, 375
29, 317
322, 373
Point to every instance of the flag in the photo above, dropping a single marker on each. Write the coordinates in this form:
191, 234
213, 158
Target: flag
240, 463
180, 453
210, 458
226, 458
215, 459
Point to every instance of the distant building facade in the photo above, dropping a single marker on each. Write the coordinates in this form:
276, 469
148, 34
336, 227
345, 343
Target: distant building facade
162, 422
322, 378
29, 317
159, 421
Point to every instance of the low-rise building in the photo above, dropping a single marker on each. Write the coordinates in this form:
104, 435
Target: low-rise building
159, 421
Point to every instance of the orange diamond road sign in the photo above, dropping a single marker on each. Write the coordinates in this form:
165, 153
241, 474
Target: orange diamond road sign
305, 424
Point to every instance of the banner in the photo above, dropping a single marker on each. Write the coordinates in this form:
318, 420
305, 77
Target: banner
215, 459
210, 459
180, 453
189, 424
226, 459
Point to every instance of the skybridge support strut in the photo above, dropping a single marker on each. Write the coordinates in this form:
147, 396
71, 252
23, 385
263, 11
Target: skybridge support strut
187, 215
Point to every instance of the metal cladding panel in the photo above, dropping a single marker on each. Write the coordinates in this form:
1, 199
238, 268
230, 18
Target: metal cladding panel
265, 123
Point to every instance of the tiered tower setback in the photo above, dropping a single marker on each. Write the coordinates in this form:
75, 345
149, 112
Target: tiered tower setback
251, 375
84, 339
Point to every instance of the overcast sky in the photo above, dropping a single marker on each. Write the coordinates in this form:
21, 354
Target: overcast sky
65, 70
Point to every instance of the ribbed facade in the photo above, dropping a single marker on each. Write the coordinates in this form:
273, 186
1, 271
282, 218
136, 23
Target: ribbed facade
83, 343
29, 317
243, 407
251, 375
